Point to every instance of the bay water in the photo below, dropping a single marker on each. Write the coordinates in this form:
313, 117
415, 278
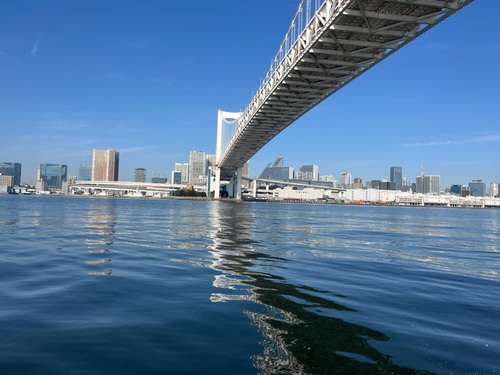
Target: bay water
96, 285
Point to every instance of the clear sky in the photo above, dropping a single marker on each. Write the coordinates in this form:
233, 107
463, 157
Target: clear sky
147, 78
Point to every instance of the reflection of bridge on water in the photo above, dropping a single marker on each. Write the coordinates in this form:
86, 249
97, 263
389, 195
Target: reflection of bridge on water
299, 337
329, 44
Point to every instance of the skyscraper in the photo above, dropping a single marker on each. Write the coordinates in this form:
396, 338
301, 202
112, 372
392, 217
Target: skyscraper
478, 188
287, 173
176, 177
357, 183
184, 169
345, 179
273, 171
313, 169
105, 165
397, 177
140, 175
11, 169
429, 184
84, 172
196, 165
53, 175
493, 189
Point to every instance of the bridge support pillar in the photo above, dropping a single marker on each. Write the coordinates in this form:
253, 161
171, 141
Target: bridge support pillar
254, 188
238, 183
217, 183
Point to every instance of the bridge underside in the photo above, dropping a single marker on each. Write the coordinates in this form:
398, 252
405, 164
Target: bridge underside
343, 40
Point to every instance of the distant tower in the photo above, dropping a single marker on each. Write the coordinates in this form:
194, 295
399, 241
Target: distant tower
105, 165
140, 175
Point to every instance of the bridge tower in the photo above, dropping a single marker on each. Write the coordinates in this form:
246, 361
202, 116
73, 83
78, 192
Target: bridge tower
227, 123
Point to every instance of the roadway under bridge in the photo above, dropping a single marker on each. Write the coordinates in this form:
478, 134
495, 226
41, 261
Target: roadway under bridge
329, 44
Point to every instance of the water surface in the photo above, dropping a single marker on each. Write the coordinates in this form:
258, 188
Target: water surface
128, 286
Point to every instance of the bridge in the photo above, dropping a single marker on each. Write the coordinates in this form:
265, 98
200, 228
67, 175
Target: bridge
329, 44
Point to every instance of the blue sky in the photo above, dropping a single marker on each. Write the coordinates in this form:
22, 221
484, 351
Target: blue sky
147, 79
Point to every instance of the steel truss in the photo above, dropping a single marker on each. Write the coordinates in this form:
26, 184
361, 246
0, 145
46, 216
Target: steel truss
342, 40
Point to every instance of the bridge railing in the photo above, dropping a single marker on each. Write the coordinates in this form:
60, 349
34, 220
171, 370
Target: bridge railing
311, 18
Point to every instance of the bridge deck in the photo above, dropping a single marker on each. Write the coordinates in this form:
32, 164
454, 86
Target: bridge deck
341, 41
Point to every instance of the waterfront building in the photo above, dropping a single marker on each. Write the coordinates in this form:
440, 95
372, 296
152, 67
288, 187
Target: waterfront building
312, 169
357, 183
478, 188
84, 172
273, 171
72, 180
53, 175
197, 161
11, 169
184, 169
397, 177
287, 173
345, 179
176, 177
105, 164
140, 175
428, 184
493, 189
6, 180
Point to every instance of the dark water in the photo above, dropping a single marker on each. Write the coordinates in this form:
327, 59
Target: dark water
143, 286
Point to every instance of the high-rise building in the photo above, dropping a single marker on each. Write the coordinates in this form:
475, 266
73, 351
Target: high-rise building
105, 164
84, 172
313, 169
357, 183
493, 189
273, 171
210, 162
11, 169
301, 175
184, 169
428, 184
397, 177
176, 177
461, 190
6, 181
196, 166
478, 188
327, 178
345, 179
140, 175
53, 175
287, 173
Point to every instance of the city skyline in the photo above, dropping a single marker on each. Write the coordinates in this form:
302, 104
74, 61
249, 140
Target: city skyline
119, 82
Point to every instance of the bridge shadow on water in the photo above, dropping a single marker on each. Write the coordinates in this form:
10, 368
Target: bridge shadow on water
297, 339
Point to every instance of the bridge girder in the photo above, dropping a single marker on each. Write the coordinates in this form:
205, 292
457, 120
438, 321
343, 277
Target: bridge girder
342, 40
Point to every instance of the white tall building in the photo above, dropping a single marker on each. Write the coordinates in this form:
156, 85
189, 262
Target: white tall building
184, 169
197, 161
327, 178
345, 179
493, 189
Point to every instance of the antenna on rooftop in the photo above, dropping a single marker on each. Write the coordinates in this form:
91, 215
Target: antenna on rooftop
84, 160
421, 169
